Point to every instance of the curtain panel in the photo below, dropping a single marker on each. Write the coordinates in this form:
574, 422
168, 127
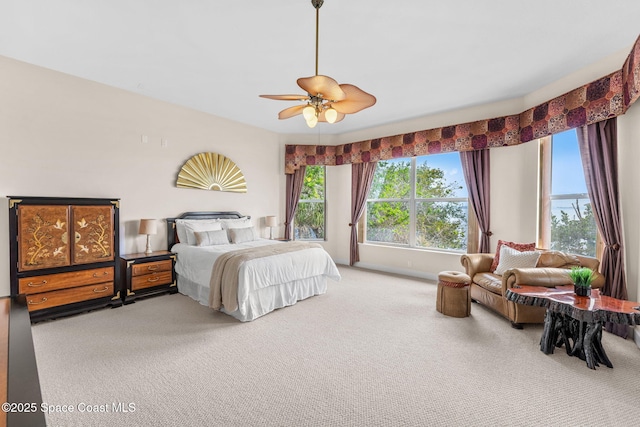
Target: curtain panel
361, 179
599, 153
475, 167
295, 182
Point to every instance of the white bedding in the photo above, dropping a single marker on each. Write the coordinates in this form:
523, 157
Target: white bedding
292, 276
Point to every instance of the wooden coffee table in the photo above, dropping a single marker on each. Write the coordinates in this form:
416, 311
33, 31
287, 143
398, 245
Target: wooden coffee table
576, 322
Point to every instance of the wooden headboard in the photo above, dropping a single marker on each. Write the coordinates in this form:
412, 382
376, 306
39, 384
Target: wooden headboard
172, 237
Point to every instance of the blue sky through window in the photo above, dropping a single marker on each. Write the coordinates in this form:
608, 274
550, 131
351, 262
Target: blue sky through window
567, 175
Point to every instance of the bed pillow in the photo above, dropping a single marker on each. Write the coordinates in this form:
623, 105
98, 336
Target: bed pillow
241, 235
186, 227
211, 237
518, 246
180, 231
513, 258
229, 223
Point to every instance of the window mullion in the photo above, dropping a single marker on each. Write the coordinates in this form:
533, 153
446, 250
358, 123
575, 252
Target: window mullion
412, 205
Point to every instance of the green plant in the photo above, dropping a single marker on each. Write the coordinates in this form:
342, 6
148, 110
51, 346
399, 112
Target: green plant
582, 276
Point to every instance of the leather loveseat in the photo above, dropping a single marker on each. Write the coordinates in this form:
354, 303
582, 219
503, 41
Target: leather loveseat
552, 268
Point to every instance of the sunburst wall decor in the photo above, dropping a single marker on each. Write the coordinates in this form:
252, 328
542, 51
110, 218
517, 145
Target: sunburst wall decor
211, 171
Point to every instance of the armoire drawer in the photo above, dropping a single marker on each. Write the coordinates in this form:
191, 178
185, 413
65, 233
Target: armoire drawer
50, 282
44, 300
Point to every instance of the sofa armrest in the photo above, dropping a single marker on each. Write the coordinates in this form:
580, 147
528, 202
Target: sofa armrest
476, 263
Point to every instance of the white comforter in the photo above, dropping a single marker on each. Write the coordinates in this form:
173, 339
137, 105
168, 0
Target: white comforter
196, 264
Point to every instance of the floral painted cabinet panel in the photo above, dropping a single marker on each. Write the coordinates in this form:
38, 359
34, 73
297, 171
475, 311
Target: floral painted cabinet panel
93, 234
43, 238
57, 236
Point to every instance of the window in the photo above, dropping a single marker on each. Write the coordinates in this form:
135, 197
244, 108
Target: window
567, 222
419, 202
309, 223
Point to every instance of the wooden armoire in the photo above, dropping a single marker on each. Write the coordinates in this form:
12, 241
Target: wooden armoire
64, 254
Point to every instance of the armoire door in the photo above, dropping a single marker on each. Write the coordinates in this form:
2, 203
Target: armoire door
43, 240
93, 234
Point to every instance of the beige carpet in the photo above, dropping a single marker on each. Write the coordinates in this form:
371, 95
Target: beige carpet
373, 351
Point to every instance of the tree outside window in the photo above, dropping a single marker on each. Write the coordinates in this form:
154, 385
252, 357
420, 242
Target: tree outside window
419, 202
309, 222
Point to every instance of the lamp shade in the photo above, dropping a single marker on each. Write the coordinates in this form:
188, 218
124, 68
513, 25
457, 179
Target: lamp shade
148, 226
271, 221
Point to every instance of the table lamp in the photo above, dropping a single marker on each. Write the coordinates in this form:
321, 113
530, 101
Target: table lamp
271, 222
148, 227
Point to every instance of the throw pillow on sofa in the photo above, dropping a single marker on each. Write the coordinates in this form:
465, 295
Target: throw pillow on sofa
522, 247
512, 258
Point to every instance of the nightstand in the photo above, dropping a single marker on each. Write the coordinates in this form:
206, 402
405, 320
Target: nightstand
147, 274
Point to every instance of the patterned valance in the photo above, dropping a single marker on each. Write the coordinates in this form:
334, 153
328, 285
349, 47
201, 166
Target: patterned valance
607, 97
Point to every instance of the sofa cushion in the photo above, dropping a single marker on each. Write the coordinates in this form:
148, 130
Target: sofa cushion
489, 281
557, 259
512, 258
518, 246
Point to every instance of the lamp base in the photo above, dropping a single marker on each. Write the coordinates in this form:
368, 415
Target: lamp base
148, 248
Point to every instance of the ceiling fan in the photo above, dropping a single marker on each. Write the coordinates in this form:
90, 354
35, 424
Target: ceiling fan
326, 100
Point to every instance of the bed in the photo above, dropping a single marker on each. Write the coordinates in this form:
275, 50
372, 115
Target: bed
253, 276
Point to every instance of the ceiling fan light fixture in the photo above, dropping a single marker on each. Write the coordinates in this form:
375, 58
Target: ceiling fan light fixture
326, 99
331, 115
308, 112
312, 122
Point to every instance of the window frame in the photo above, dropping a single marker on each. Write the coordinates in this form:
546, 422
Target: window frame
412, 201
323, 201
545, 147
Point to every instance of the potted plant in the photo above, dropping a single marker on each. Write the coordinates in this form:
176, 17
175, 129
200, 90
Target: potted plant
582, 278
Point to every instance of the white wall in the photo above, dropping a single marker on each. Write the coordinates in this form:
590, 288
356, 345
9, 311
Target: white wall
65, 136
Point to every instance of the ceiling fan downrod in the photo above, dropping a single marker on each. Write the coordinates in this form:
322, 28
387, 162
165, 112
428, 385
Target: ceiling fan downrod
317, 4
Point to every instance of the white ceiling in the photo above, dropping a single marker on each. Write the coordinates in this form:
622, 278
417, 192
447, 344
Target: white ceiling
417, 57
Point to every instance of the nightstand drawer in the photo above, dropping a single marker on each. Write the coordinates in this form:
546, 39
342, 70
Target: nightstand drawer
150, 280
44, 300
151, 267
50, 282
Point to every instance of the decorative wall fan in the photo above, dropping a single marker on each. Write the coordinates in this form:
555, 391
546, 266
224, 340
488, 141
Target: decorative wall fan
326, 100
211, 171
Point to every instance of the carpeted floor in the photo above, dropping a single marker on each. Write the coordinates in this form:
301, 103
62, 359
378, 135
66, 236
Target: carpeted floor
373, 351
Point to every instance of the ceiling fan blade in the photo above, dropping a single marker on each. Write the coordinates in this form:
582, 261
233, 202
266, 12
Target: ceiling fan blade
323, 85
356, 100
322, 118
290, 112
286, 97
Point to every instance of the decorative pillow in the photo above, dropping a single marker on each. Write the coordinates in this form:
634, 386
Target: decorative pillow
211, 237
522, 247
241, 235
186, 227
513, 258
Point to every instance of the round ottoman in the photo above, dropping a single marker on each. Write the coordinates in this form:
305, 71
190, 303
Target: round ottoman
453, 297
